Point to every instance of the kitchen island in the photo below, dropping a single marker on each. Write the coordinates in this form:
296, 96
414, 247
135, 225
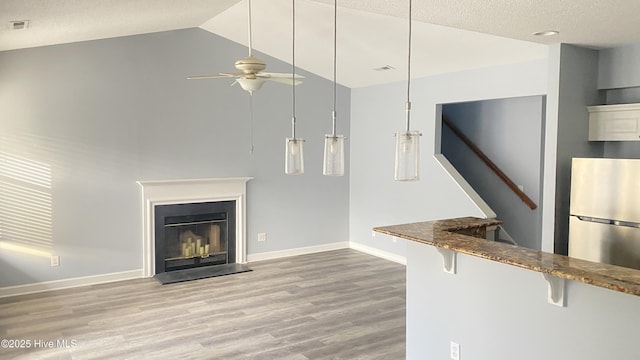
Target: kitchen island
494, 302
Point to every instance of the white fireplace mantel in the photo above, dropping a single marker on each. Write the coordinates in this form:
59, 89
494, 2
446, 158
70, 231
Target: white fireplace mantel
165, 192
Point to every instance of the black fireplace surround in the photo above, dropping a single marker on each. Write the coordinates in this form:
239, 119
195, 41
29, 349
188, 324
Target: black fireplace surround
194, 235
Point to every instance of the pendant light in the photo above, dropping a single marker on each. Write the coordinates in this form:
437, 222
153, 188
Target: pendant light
294, 154
333, 164
407, 141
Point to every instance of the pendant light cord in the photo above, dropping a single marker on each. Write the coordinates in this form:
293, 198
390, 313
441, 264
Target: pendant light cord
335, 52
293, 67
408, 105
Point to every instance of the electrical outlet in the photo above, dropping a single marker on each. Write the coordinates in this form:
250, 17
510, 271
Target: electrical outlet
373, 233
454, 351
262, 237
55, 260
394, 239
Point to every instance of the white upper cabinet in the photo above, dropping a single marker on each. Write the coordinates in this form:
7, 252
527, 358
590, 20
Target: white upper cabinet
614, 122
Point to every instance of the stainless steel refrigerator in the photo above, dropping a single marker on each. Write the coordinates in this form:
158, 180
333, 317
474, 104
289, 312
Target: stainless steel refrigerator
604, 221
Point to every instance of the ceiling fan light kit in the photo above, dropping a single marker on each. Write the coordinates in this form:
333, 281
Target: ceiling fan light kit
250, 85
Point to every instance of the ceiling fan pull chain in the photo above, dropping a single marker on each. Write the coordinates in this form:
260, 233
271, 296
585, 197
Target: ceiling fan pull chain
252, 148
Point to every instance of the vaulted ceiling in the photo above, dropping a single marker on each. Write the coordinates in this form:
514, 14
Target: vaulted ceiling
448, 35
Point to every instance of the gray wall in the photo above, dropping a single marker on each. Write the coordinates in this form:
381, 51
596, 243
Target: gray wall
104, 114
619, 67
621, 96
509, 132
497, 311
577, 89
622, 149
378, 111
619, 81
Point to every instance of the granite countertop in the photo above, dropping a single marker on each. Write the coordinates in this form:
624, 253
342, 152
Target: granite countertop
448, 234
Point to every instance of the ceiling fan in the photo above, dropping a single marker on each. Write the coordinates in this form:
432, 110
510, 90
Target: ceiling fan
251, 78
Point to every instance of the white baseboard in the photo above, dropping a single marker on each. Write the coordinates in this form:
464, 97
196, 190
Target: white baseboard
136, 274
378, 253
297, 251
69, 283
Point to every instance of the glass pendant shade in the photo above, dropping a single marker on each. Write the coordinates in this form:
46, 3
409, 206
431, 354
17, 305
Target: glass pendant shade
407, 155
294, 157
333, 155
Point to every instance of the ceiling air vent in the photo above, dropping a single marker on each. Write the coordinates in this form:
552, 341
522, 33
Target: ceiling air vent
19, 24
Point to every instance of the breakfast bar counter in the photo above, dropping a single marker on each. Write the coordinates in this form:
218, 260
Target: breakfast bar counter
467, 236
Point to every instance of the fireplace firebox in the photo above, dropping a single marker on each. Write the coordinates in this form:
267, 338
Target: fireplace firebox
194, 235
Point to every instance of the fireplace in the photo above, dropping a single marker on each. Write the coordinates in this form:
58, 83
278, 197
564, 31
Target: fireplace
194, 235
189, 210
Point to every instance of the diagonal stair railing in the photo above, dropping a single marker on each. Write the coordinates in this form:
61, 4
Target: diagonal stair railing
490, 164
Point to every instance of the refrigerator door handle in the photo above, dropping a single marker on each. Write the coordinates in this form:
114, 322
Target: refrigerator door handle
595, 220
625, 223
609, 221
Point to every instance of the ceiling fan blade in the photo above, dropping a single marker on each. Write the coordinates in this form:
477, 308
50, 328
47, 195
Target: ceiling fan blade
221, 75
278, 75
284, 80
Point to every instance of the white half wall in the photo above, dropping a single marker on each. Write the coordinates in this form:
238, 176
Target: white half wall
497, 311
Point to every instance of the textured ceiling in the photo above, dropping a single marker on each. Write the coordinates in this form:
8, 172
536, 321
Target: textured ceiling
449, 35
64, 21
590, 23
366, 41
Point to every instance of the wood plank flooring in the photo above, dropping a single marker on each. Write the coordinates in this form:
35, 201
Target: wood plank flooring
339, 304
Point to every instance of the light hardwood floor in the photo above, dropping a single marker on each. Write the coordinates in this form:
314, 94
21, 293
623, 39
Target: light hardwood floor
339, 304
